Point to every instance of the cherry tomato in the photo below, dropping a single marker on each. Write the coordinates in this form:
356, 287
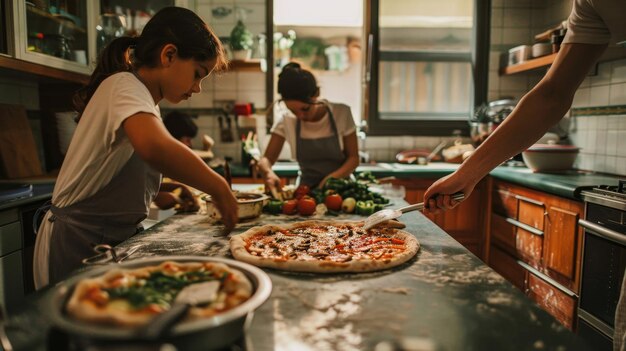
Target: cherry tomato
333, 202
290, 207
301, 191
306, 206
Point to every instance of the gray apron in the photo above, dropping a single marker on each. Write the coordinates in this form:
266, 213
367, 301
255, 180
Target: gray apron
318, 158
110, 216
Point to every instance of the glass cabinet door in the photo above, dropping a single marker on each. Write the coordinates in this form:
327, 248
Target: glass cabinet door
123, 17
56, 33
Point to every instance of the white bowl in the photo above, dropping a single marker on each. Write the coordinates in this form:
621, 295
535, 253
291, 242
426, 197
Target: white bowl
541, 49
550, 158
249, 205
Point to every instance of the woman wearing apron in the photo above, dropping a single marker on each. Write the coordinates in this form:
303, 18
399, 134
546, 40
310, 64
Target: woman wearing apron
322, 135
112, 169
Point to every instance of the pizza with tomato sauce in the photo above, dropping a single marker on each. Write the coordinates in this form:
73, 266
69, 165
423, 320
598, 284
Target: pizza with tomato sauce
325, 246
131, 297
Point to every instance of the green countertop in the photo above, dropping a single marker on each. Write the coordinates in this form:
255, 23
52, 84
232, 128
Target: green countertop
566, 184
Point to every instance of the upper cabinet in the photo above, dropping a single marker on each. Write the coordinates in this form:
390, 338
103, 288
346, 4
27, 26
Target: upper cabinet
59, 34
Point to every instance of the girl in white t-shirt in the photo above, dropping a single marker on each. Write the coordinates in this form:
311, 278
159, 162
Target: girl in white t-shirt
113, 166
322, 135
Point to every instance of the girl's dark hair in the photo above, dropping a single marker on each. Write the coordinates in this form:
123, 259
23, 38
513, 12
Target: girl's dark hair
180, 125
172, 25
296, 83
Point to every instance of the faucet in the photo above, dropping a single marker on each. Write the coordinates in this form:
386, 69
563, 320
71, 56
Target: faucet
364, 156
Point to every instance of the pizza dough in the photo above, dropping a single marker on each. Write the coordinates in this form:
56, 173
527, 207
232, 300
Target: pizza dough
325, 247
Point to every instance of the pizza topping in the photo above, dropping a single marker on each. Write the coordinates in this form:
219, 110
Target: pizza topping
341, 243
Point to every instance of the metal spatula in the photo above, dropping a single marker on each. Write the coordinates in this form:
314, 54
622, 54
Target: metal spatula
191, 295
388, 214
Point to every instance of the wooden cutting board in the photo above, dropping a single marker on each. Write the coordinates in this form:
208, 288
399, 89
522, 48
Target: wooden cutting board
18, 151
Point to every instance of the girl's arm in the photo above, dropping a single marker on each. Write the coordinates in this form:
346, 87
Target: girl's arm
351, 149
154, 144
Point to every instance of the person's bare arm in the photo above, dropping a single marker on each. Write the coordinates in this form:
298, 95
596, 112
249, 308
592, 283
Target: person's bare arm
270, 157
351, 150
154, 144
537, 111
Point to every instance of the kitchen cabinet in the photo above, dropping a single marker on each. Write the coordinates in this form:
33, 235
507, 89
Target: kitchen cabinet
465, 223
11, 278
56, 34
540, 233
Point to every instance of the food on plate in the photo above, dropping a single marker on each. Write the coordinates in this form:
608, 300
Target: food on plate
325, 246
131, 297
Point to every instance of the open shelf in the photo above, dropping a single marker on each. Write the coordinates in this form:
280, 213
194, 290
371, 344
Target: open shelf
253, 65
11, 63
539, 62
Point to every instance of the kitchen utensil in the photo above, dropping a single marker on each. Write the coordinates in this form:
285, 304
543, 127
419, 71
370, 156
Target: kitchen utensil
549, 157
211, 333
107, 254
249, 205
389, 214
541, 49
18, 151
191, 295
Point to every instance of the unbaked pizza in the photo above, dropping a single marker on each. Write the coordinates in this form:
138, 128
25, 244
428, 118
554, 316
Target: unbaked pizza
325, 246
131, 297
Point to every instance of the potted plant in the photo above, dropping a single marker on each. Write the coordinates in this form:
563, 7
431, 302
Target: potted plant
241, 41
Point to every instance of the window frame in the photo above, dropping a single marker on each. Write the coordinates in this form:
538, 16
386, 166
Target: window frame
430, 124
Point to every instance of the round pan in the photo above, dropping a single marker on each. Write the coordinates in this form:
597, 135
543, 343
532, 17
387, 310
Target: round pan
213, 332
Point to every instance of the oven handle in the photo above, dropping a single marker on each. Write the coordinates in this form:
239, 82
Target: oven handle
602, 232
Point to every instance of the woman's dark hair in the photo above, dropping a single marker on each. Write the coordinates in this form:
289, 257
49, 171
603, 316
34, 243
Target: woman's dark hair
180, 125
296, 83
172, 25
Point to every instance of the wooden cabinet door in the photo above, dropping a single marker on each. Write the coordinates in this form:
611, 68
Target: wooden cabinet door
559, 304
562, 242
507, 266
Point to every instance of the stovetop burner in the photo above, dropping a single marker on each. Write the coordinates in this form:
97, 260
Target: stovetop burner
607, 195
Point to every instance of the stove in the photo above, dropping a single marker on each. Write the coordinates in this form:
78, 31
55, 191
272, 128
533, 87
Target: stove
603, 262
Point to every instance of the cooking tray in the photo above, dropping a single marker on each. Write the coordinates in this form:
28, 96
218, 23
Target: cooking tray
210, 333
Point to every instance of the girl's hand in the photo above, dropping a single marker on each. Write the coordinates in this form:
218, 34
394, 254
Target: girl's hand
226, 204
438, 197
272, 183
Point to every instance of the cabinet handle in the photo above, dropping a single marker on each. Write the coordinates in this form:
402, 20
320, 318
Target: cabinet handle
602, 232
532, 201
526, 227
547, 279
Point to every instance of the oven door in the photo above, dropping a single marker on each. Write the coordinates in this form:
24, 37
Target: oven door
604, 263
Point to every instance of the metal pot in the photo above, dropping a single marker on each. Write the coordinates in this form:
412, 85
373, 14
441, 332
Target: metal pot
249, 205
207, 334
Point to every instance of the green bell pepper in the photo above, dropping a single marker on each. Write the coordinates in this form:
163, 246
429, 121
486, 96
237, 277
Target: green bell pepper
274, 206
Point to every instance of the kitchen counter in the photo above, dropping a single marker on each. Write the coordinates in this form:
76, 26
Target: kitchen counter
445, 298
567, 184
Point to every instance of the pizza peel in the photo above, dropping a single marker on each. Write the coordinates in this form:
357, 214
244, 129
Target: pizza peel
189, 296
389, 214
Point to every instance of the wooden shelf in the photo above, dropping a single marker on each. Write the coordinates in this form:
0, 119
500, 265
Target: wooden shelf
253, 65
65, 21
41, 70
539, 62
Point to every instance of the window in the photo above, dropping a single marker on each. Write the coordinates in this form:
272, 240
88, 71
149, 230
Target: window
428, 65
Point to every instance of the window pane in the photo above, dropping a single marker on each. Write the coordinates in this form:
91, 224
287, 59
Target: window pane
417, 25
424, 89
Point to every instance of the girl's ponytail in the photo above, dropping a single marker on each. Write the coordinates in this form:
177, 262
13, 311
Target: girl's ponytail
113, 58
